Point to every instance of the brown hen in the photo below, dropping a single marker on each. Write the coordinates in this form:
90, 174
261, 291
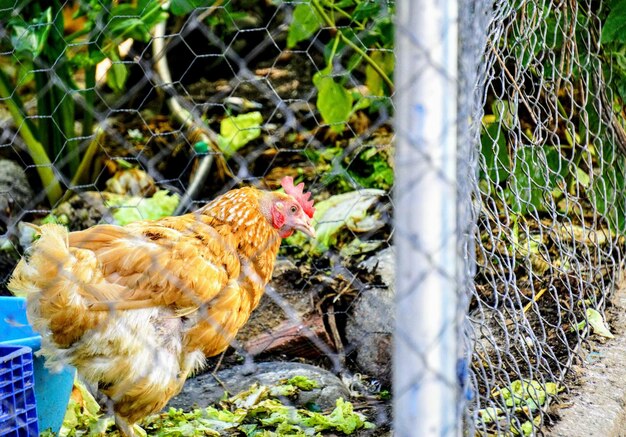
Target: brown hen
136, 309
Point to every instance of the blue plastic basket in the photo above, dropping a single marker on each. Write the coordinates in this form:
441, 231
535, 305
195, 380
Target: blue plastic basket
18, 411
52, 390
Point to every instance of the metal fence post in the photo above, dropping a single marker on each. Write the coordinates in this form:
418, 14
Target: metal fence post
426, 344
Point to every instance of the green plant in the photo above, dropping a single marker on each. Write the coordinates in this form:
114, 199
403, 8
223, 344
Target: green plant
580, 160
613, 40
610, 184
363, 30
50, 61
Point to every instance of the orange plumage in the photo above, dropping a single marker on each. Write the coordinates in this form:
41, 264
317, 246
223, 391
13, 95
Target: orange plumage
136, 309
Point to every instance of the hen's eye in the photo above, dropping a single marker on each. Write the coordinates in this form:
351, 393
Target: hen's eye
294, 209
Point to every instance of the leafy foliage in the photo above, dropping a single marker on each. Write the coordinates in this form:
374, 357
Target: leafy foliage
54, 63
363, 33
256, 412
527, 176
306, 21
614, 27
184, 7
333, 101
551, 177
237, 131
370, 167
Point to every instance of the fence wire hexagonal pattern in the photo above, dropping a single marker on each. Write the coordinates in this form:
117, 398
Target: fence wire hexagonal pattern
131, 129
549, 215
121, 116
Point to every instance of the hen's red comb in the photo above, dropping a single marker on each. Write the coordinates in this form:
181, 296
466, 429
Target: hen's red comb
297, 192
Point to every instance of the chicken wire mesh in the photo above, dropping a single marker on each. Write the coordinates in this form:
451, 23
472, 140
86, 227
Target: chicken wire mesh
115, 111
548, 207
107, 104
540, 164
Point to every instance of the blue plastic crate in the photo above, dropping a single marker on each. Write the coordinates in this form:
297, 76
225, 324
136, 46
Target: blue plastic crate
52, 390
18, 410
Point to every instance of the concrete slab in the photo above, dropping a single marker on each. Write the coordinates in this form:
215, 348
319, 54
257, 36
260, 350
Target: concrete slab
598, 405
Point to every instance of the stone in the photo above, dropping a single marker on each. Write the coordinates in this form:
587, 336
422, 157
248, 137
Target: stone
369, 329
204, 390
16, 194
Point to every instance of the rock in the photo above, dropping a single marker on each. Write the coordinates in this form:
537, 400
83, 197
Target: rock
369, 328
15, 191
9, 256
204, 390
16, 196
382, 264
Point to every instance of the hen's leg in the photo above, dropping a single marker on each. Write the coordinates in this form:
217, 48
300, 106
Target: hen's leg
125, 428
106, 406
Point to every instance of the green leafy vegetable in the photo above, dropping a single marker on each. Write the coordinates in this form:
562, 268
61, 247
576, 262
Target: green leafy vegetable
597, 323
236, 132
490, 414
255, 412
527, 427
343, 418
527, 393
132, 209
303, 383
349, 211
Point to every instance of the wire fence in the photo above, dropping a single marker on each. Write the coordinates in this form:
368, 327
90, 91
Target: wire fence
115, 112
508, 185
539, 83
549, 218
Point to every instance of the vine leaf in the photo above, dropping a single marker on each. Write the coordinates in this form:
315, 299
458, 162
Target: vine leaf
334, 102
614, 29
305, 23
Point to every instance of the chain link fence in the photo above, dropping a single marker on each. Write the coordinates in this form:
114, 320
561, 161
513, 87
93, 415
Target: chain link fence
508, 188
549, 207
540, 248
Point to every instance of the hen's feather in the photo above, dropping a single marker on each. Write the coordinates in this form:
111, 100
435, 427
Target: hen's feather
137, 308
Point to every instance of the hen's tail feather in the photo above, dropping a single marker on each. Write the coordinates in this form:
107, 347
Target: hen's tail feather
55, 280
43, 260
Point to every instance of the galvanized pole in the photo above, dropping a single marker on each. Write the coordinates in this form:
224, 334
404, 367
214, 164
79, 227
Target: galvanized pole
426, 344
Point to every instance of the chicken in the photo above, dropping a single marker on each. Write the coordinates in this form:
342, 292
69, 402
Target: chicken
136, 309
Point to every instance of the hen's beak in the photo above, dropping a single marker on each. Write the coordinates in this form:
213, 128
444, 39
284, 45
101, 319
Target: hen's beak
305, 226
